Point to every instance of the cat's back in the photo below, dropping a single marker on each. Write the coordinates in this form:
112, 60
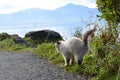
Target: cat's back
74, 41
76, 44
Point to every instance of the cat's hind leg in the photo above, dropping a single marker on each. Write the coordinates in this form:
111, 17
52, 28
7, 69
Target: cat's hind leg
78, 59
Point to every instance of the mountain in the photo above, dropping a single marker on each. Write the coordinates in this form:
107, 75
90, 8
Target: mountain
68, 15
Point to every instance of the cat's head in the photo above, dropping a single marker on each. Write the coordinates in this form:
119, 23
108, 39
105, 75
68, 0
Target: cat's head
57, 46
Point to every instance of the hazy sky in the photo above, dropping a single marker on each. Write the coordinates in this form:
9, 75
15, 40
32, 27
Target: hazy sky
8, 6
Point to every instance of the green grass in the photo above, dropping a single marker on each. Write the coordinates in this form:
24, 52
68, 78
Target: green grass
9, 45
47, 51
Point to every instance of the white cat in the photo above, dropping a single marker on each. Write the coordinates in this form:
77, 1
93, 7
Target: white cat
74, 48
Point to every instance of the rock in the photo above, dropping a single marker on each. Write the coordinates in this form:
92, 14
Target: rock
43, 36
15, 37
4, 36
18, 39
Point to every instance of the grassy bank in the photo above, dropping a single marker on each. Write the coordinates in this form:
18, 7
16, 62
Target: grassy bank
9, 45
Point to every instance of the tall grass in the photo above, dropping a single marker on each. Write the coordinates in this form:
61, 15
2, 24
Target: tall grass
9, 44
47, 50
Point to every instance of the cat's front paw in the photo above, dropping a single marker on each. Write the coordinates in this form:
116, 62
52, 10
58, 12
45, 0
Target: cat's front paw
65, 64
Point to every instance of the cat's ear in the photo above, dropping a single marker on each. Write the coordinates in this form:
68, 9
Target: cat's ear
58, 42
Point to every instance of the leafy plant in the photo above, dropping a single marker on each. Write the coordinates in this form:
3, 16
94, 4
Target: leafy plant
110, 10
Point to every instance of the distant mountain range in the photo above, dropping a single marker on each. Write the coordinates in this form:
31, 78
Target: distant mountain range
68, 15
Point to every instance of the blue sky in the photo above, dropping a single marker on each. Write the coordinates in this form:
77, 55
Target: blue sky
9, 6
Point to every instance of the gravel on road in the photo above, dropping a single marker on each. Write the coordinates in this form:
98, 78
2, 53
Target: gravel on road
27, 66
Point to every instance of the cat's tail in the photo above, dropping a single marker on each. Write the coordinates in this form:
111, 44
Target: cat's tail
87, 33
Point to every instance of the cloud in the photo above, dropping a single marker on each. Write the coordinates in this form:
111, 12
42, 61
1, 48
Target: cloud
8, 6
88, 3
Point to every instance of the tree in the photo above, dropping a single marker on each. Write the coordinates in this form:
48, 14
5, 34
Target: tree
110, 10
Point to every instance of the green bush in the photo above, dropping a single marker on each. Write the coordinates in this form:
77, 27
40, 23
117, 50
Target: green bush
9, 44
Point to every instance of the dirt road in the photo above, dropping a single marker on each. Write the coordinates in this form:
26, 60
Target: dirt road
27, 66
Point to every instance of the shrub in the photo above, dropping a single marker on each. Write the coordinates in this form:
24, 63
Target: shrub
9, 44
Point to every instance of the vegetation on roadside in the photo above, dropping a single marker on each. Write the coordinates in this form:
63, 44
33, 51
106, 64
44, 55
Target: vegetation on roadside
47, 51
10, 45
